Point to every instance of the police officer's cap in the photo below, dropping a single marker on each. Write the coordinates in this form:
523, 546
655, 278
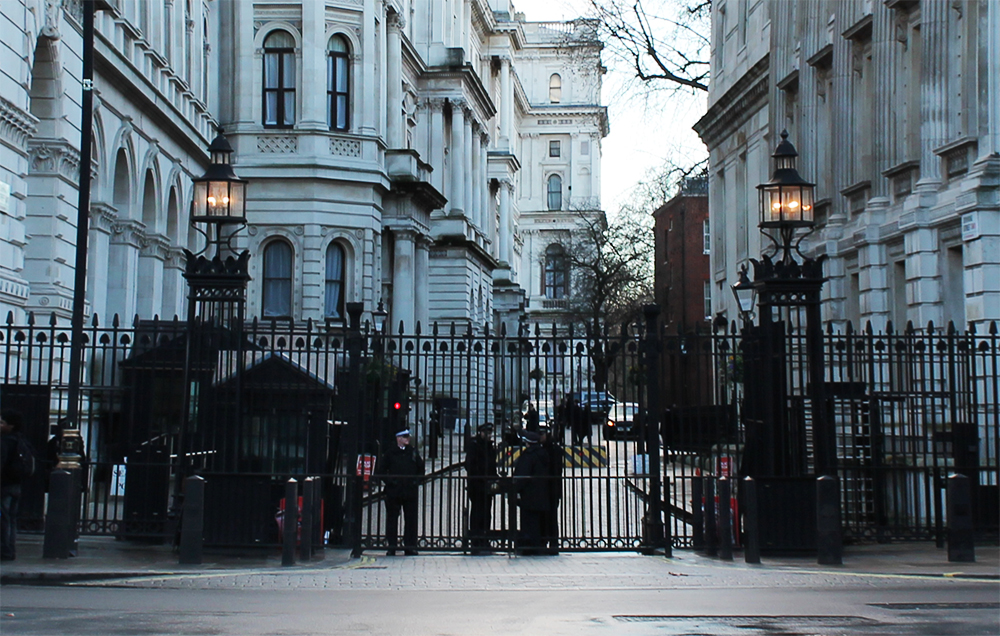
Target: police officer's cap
531, 437
403, 433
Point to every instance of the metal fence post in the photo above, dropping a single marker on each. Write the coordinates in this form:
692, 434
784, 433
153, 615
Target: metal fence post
751, 529
193, 521
654, 508
290, 522
829, 544
725, 521
961, 539
711, 529
305, 543
698, 513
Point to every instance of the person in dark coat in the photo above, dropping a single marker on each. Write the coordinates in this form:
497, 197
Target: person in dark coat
579, 421
400, 470
481, 468
531, 484
531, 418
10, 482
550, 520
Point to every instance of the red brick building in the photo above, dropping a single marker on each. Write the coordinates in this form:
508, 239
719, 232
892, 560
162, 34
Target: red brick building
683, 282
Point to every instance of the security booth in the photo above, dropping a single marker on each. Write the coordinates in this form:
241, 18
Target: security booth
255, 418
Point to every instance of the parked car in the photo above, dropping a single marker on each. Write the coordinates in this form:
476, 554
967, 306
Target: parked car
597, 402
621, 421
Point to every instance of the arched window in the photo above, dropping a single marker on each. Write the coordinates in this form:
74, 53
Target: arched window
279, 80
555, 88
338, 82
277, 289
555, 192
335, 281
556, 272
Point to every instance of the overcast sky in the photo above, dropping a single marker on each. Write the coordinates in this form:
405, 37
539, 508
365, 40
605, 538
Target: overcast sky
642, 135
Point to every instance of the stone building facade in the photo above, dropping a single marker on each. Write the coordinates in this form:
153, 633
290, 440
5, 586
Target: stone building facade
396, 151
894, 108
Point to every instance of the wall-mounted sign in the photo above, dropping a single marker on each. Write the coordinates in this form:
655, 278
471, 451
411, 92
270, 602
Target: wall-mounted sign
970, 226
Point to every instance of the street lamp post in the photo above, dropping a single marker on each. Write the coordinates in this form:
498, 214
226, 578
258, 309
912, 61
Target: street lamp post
786, 279
216, 285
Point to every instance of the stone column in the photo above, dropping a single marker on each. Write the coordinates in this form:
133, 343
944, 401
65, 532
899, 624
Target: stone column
484, 190
457, 159
422, 270
369, 101
470, 171
476, 183
435, 142
933, 96
403, 282
885, 66
506, 237
313, 67
394, 79
991, 144
506, 105
152, 255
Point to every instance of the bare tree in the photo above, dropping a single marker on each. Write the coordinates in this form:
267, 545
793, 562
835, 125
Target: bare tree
666, 46
609, 272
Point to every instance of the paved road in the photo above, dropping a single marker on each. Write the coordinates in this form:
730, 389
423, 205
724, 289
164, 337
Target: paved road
572, 594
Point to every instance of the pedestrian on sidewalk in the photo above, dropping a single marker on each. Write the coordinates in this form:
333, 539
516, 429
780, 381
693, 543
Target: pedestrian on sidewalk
400, 471
550, 519
531, 484
17, 463
481, 470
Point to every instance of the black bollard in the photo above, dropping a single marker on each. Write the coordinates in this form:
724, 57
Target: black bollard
711, 527
318, 541
961, 537
725, 521
291, 522
751, 531
59, 516
698, 513
193, 521
305, 543
668, 548
829, 544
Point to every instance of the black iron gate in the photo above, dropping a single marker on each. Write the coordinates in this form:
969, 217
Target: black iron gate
269, 401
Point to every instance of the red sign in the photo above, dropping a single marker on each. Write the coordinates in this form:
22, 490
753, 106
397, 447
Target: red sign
725, 467
366, 466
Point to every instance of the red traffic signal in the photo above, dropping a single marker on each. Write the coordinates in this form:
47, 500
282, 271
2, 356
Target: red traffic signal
397, 406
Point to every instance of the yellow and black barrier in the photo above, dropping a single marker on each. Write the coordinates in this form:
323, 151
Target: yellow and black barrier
573, 456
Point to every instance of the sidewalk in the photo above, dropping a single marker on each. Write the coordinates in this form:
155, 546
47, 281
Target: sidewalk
107, 558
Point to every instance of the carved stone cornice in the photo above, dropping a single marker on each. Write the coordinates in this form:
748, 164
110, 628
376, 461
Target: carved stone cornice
103, 216
736, 106
53, 157
128, 232
154, 246
16, 125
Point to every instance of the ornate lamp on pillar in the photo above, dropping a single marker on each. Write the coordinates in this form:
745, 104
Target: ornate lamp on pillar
219, 203
216, 292
786, 281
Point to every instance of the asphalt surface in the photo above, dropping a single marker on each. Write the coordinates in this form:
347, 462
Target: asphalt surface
119, 588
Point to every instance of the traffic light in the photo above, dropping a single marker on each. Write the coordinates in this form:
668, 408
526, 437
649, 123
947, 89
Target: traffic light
399, 401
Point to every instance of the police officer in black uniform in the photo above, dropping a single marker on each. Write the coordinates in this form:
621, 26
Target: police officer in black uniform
531, 482
481, 468
550, 519
400, 470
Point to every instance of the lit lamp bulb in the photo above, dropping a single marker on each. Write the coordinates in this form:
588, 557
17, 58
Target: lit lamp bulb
211, 201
